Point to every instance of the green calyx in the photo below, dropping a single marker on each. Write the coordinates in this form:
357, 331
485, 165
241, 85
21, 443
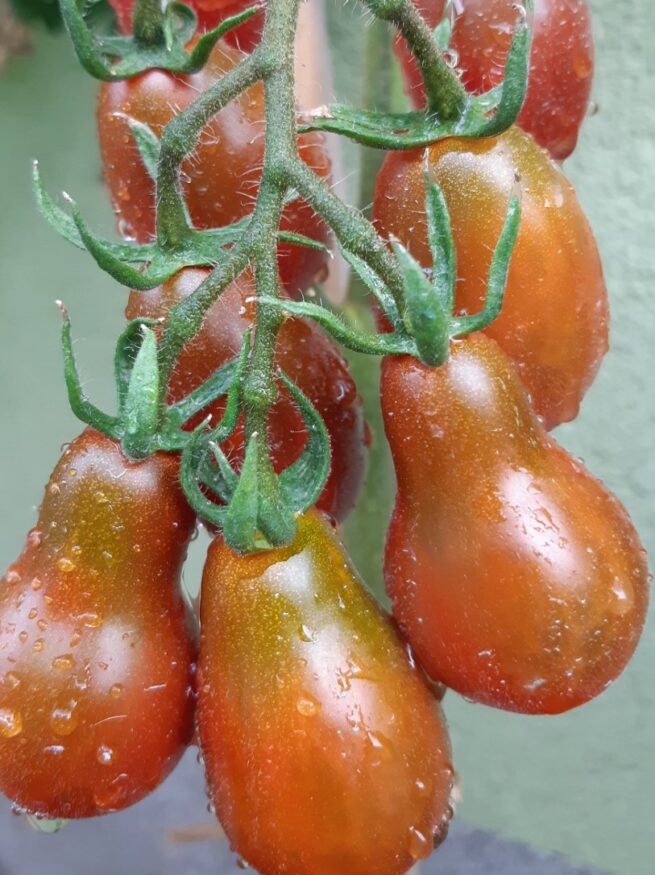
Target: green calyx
247, 504
159, 41
426, 323
484, 115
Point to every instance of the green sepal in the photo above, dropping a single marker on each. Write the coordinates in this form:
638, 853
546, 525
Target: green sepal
110, 58
397, 343
226, 380
427, 320
148, 144
127, 350
257, 506
303, 482
497, 279
140, 412
123, 261
79, 403
442, 246
442, 33
193, 458
484, 115
375, 285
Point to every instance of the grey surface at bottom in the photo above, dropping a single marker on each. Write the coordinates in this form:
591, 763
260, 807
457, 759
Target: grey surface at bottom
148, 839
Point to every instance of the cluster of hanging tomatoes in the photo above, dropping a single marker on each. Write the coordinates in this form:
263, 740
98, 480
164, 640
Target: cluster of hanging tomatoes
516, 579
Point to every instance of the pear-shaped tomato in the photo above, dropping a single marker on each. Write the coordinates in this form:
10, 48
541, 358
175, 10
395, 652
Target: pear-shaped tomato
96, 657
307, 355
324, 747
554, 319
221, 177
517, 577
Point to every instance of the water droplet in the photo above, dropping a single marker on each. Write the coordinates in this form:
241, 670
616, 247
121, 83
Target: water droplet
105, 755
12, 680
11, 722
308, 706
91, 619
110, 798
63, 721
65, 662
420, 845
65, 565
306, 634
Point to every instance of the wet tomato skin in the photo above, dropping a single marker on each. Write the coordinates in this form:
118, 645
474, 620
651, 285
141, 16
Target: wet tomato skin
210, 14
222, 175
96, 655
561, 62
554, 321
324, 748
306, 354
517, 577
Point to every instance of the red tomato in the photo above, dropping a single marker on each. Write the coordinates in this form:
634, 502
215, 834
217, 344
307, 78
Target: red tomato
517, 577
305, 353
96, 658
222, 175
554, 318
324, 748
210, 14
561, 62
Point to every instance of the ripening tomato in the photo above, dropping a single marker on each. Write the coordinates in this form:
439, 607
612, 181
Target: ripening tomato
325, 750
222, 175
96, 656
517, 577
561, 61
307, 355
210, 14
554, 321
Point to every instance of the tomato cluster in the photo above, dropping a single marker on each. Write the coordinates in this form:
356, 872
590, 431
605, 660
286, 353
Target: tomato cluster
515, 577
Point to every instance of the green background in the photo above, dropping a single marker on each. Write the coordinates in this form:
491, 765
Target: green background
581, 784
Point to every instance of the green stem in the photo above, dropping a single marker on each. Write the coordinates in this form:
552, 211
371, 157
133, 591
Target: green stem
352, 229
446, 96
148, 23
179, 139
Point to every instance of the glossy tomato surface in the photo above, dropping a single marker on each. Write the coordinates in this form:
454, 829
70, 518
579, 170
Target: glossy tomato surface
210, 14
554, 321
305, 353
222, 175
324, 747
517, 577
96, 657
561, 61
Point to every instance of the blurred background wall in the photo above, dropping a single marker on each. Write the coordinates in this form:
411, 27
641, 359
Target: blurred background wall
580, 784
